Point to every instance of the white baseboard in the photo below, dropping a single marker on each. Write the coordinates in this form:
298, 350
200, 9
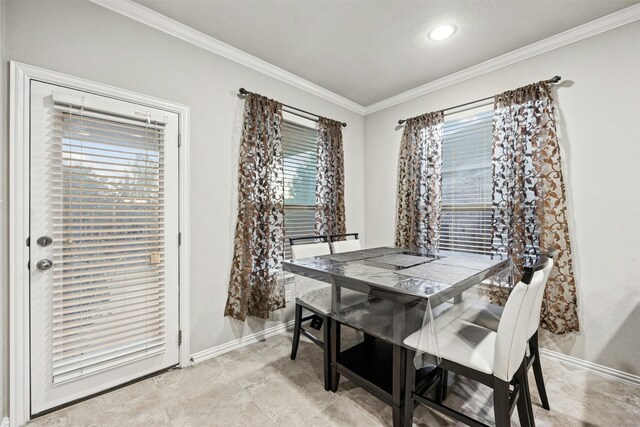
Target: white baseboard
209, 353
593, 367
212, 352
5, 422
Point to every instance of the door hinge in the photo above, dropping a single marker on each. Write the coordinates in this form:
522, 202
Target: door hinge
179, 239
179, 337
179, 140
28, 242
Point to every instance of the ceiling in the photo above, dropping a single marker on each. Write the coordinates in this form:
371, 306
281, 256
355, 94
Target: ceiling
367, 51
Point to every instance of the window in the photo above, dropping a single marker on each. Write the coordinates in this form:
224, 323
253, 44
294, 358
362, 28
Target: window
467, 183
300, 154
108, 228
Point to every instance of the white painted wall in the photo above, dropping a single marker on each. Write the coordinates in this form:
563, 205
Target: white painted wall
86, 40
599, 112
598, 117
4, 241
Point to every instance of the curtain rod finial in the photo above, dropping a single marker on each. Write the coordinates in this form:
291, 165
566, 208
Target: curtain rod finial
555, 79
243, 91
401, 121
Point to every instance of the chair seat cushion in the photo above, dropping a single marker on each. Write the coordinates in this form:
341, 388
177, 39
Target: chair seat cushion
319, 299
458, 341
481, 313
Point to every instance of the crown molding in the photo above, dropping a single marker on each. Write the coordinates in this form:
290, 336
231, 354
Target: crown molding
600, 25
163, 23
170, 26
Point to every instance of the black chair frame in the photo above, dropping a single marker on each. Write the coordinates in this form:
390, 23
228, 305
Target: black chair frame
316, 239
505, 400
506, 395
533, 360
335, 237
299, 320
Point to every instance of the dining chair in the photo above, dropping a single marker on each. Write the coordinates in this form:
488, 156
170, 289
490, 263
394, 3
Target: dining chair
496, 359
487, 315
316, 299
346, 245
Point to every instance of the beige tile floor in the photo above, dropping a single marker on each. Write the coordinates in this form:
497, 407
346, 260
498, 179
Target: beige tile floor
259, 385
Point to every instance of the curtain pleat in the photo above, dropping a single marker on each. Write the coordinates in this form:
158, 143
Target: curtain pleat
255, 286
420, 182
330, 213
529, 207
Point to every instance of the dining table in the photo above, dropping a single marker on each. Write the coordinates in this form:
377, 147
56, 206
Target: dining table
389, 293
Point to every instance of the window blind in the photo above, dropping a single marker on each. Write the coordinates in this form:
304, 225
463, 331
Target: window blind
300, 155
108, 251
467, 184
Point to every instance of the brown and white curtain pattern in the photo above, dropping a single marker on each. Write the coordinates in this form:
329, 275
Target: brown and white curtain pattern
420, 182
529, 208
330, 216
255, 288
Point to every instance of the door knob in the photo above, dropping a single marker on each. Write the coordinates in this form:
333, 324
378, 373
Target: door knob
44, 264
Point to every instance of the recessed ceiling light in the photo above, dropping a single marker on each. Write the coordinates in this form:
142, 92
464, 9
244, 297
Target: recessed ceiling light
442, 32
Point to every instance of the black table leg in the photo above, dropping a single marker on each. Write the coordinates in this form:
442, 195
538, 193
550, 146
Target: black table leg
335, 350
398, 385
409, 387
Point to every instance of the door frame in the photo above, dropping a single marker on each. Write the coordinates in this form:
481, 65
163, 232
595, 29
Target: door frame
20, 78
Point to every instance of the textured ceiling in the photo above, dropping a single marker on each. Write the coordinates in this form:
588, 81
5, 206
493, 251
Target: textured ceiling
368, 51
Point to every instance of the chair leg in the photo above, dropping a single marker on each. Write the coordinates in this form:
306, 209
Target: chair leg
296, 331
525, 410
501, 407
326, 348
537, 371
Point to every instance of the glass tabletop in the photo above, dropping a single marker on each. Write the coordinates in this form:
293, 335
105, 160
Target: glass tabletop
400, 273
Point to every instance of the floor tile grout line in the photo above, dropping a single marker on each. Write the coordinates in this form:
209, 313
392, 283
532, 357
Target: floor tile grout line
358, 408
596, 390
157, 390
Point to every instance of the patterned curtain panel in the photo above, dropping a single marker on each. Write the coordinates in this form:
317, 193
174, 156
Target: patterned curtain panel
529, 209
330, 217
255, 288
420, 182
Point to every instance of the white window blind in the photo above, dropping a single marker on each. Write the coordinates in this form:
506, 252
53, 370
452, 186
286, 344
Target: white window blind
108, 250
300, 155
467, 184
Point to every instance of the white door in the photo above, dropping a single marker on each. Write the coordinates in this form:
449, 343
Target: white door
103, 243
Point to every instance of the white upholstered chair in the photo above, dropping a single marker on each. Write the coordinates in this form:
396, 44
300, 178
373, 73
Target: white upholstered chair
487, 315
494, 358
346, 245
314, 296
309, 250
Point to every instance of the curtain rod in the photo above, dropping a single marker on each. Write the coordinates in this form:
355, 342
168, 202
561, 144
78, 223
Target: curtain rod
554, 79
243, 91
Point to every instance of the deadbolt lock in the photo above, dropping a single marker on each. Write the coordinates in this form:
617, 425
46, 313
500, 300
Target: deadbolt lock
44, 241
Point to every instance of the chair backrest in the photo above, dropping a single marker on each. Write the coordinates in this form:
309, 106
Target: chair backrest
309, 250
511, 339
347, 245
534, 321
